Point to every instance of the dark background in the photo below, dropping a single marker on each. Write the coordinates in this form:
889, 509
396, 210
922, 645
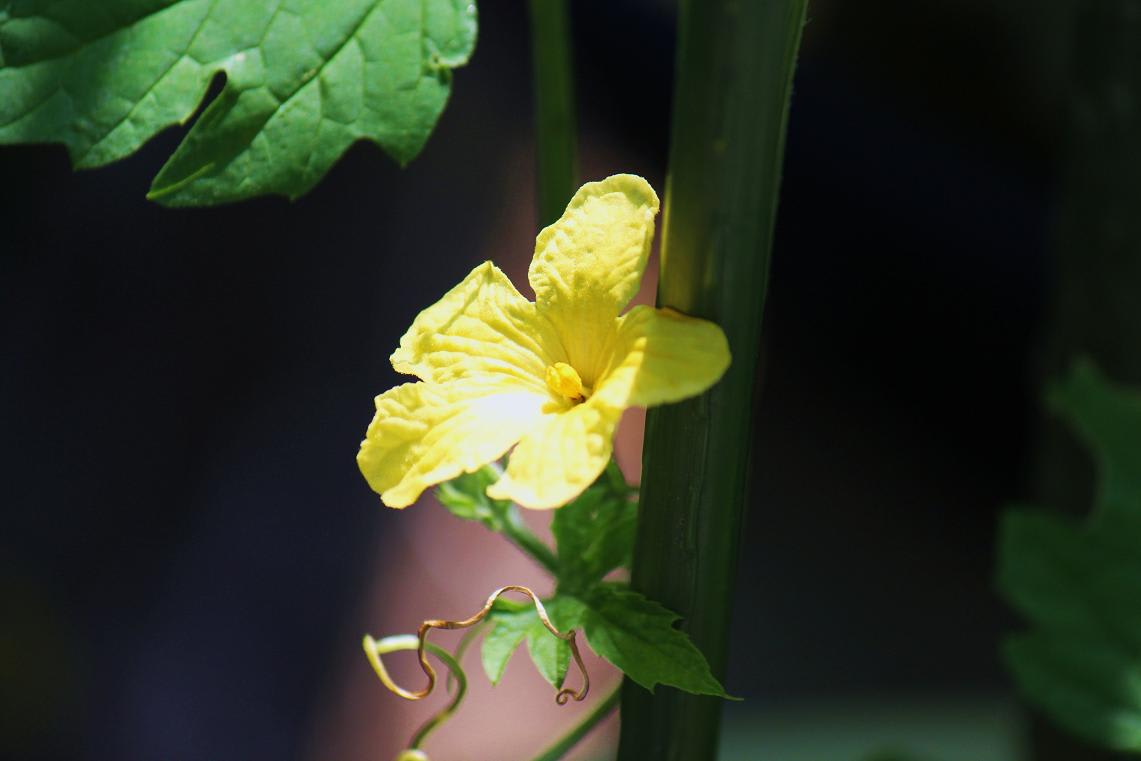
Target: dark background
184, 530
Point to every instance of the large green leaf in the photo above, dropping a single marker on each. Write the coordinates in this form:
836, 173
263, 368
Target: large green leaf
1079, 583
304, 80
638, 636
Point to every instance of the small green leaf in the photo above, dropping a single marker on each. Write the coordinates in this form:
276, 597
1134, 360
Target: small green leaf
638, 636
595, 533
508, 630
466, 497
515, 622
304, 80
551, 654
1079, 584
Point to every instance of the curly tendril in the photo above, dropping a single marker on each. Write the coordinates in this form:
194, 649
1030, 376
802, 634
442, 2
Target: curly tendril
375, 648
561, 697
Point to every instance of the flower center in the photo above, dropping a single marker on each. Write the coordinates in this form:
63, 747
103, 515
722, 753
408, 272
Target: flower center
564, 381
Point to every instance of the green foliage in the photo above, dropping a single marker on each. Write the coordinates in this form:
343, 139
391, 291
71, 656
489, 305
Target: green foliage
638, 636
512, 624
1108, 420
304, 80
634, 634
594, 535
1079, 584
550, 654
466, 497
509, 628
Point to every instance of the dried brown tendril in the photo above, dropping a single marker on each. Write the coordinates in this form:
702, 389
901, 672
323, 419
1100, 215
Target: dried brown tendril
561, 697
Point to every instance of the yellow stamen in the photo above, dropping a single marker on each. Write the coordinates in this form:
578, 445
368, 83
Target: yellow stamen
564, 381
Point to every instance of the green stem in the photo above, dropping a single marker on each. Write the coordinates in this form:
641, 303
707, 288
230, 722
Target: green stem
519, 535
554, 107
466, 641
563, 745
735, 64
376, 648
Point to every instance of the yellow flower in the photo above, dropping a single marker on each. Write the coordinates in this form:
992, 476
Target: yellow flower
550, 377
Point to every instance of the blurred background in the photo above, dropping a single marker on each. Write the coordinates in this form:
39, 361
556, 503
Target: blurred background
189, 557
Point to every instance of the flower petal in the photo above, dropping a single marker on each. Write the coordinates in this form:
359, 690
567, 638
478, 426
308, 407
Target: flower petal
589, 264
426, 433
483, 326
559, 458
660, 356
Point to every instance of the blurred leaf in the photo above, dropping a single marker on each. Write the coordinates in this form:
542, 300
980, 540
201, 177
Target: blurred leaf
594, 534
638, 636
304, 80
892, 755
1079, 584
1107, 418
466, 497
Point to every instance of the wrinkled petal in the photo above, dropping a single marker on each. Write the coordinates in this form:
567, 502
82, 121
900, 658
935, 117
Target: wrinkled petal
483, 326
589, 264
426, 433
659, 356
559, 458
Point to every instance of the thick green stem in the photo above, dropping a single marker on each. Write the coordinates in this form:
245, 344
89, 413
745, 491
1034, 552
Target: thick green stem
735, 64
554, 107
563, 745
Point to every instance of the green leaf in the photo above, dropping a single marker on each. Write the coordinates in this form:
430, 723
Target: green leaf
509, 629
466, 497
1083, 688
304, 80
595, 533
634, 634
1079, 583
1107, 418
550, 654
1081, 663
891, 755
638, 636
512, 624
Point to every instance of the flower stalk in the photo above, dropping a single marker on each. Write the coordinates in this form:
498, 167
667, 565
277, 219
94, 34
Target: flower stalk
735, 64
522, 537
